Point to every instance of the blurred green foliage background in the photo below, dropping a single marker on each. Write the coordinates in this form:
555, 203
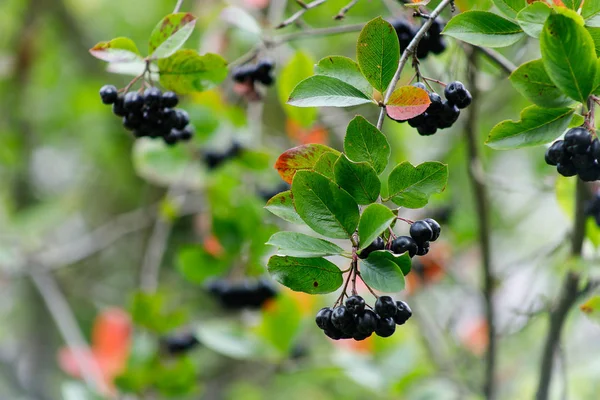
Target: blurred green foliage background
81, 203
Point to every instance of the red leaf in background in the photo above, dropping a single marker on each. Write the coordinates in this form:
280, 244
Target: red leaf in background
407, 102
257, 3
110, 344
474, 336
316, 134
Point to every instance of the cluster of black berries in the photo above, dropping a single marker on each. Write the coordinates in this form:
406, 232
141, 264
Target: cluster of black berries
432, 42
353, 321
150, 114
261, 72
244, 294
441, 114
213, 158
578, 154
179, 343
592, 208
417, 244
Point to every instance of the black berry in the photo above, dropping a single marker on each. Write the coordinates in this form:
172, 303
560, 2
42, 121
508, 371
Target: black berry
385, 327
403, 312
169, 99
385, 307
133, 102
378, 244
366, 322
435, 227
323, 318
404, 243
108, 94
355, 304
423, 249
456, 93
421, 231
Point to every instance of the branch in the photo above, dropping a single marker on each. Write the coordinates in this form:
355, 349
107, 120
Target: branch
410, 49
67, 325
345, 9
504, 63
177, 6
483, 211
298, 14
569, 295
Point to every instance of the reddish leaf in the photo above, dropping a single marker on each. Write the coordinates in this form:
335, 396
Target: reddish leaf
118, 50
170, 34
300, 158
315, 134
407, 102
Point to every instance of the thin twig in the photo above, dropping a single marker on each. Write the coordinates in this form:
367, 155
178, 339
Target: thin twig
178, 6
345, 9
67, 325
497, 59
483, 211
311, 33
300, 13
412, 46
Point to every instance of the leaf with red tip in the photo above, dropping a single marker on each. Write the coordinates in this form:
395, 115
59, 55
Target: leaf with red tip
300, 158
407, 102
170, 34
118, 50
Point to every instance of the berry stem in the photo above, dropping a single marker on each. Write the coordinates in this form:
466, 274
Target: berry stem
434, 80
408, 221
368, 287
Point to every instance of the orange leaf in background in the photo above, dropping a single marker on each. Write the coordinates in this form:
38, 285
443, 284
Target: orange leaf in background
110, 345
474, 336
558, 3
430, 268
407, 102
213, 246
316, 134
257, 3
363, 346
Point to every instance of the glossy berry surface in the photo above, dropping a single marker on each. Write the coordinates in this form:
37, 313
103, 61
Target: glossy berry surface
403, 312
385, 307
456, 93
323, 318
423, 249
378, 244
403, 244
385, 327
355, 304
435, 228
366, 322
108, 94
421, 232
578, 154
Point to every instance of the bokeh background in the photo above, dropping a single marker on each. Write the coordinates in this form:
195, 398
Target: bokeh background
89, 217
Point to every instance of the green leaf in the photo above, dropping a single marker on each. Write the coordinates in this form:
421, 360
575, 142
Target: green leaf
282, 205
229, 338
572, 4
537, 126
358, 179
280, 323
325, 165
300, 158
300, 245
346, 70
196, 265
148, 310
298, 68
375, 219
364, 142
533, 17
569, 56
381, 273
591, 13
118, 50
510, 8
324, 91
378, 53
483, 28
324, 206
308, 275
411, 186
532, 81
407, 102
595, 34
170, 34
187, 71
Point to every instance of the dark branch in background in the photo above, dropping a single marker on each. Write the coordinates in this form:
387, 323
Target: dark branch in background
569, 293
410, 49
482, 206
498, 59
345, 9
298, 14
